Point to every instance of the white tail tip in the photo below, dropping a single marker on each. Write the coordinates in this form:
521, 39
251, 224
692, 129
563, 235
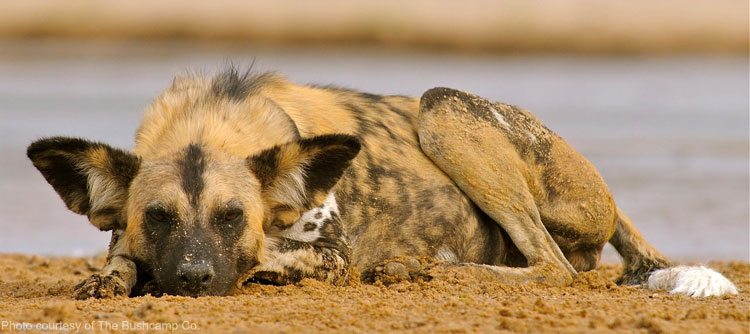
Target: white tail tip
693, 281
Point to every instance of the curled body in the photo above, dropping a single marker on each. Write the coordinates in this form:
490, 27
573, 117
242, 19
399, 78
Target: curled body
251, 178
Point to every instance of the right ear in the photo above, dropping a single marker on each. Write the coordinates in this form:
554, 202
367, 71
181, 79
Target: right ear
297, 176
92, 178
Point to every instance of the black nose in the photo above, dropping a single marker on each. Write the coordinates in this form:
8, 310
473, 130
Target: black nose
195, 275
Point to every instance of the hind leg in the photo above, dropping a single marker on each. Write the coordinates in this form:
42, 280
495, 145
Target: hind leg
580, 227
575, 204
485, 165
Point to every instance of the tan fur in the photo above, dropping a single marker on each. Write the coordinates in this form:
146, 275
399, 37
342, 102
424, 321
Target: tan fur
453, 176
186, 113
103, 193
158, 179
550, 200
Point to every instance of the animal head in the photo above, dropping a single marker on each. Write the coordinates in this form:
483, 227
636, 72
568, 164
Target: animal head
198, 216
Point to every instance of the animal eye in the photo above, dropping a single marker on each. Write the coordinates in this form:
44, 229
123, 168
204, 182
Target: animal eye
232, 215
157, 216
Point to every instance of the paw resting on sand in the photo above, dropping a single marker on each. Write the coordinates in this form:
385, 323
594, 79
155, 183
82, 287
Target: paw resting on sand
100, 286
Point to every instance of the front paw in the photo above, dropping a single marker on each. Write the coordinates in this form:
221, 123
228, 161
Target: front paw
101, 286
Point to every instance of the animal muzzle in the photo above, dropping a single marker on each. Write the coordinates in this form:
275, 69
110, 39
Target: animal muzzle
195, 277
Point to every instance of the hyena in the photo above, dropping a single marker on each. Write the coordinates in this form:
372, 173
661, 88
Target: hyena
249, 177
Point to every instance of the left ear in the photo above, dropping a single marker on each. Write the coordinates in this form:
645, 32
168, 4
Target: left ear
297, 176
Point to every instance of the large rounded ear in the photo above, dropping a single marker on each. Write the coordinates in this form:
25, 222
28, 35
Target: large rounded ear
297, 176
92, 178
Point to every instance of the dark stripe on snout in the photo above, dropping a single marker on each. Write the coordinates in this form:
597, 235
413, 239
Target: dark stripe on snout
191, 167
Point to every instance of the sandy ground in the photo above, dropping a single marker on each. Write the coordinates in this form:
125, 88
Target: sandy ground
35, 293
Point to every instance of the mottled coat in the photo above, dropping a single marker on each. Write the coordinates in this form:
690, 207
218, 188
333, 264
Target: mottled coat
241, 177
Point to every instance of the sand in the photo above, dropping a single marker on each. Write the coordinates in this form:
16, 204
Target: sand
36, 295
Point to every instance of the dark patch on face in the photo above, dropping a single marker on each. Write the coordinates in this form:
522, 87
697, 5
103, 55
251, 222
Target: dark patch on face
230, 231
159, 240
157, 232
176, 247
309, 227
192, 166
318, 215
145, 282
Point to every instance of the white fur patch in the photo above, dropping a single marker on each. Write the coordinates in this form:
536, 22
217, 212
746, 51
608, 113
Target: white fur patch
316, 216
500, 119
694, 281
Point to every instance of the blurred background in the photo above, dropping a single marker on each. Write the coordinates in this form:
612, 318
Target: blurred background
654, 93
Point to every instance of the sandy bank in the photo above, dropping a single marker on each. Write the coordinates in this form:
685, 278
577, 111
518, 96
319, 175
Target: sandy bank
36, 291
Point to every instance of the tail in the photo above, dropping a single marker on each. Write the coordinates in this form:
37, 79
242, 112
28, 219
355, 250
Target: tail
646, 266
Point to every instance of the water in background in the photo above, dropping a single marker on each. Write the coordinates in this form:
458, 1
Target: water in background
669, 134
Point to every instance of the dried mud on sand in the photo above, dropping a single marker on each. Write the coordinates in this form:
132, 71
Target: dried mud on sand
36, 292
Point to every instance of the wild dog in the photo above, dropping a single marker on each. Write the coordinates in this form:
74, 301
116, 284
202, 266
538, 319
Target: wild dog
242, 177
